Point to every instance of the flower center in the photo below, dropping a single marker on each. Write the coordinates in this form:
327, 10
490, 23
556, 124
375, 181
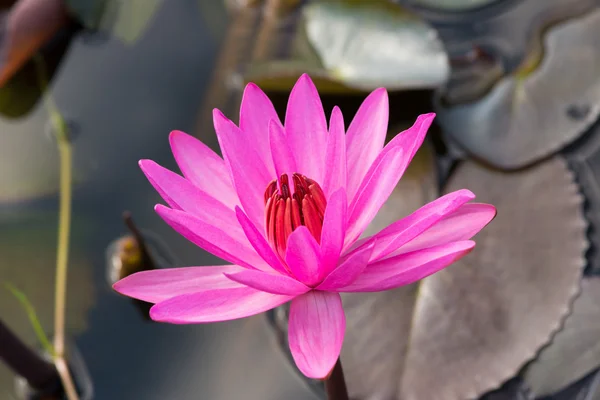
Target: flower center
285, 210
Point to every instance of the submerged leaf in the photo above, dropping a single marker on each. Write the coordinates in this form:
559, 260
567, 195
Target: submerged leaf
528, 116
480, 320
575, 350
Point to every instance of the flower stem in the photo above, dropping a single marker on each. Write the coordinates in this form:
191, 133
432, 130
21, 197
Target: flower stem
39, 374
335, 385
64, 225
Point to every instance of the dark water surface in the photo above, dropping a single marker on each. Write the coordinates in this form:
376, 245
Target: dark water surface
124, 100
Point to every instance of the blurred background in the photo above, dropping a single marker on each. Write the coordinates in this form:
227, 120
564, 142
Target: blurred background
516, 88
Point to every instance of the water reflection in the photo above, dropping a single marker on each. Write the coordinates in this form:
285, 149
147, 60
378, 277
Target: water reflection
125, 99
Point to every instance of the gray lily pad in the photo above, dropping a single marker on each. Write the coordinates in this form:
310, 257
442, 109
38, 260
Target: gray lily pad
479, 321
344, 46
367, 44
378, 323
575, 351
584, 160
537, 110
376, 342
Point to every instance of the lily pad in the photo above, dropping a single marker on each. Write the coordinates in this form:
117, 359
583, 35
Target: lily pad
584, 160
478, 322
366, 44
377, 324
344, 45
575, 351
541, 107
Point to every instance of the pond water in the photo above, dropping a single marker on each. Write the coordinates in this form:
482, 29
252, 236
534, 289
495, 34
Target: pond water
124, 100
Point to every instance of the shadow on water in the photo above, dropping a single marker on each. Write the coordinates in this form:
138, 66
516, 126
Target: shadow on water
124, 100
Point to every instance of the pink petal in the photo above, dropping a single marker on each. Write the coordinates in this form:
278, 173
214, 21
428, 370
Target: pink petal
270, 283
408, 228
411, 139
408, 268
377, 186
283, 159
334, 229
162, 284
215, 305
203, 167
335, 156
306, 128
365, 137
259, 243
316, 332
180, 194
255, 113
248, 169
349, 270
462, 224
215, 240
384, 174
303, 257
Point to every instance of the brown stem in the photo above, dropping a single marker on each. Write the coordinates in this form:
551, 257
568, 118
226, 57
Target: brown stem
39, 373
335, 385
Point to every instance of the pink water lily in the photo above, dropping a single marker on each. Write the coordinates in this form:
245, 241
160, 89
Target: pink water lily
286, 206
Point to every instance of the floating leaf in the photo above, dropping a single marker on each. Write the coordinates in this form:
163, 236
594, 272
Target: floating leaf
377, 324
480, 320
575, 350
533, 113
376, 341
345, 46
367, 44
584, 160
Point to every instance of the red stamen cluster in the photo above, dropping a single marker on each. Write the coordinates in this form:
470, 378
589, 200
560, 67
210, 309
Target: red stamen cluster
286, 210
